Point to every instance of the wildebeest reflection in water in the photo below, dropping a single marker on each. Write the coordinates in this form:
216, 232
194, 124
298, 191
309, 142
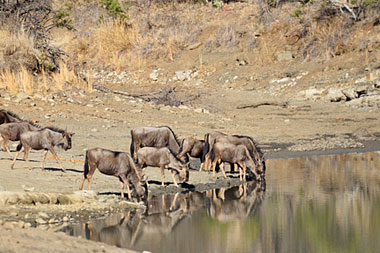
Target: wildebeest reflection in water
148, 228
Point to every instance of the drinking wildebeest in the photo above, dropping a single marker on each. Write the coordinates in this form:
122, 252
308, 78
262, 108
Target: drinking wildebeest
191, 146
163, 158
208, 140
234, 154
157, 137
45, 138
254, 151
118, 164
8, 117
12, 131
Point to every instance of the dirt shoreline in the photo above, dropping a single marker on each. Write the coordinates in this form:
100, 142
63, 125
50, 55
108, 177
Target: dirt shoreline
105, 120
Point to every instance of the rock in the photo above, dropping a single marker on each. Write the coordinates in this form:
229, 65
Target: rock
52, 221
8, 224
312, 93
182, 75
40, 221
65, 219
1, 222
21, 96
154, 75
21, 224
376, 84
361, 89
43, 215
335, 95
184, 107
284, 56
63, 200
350, 93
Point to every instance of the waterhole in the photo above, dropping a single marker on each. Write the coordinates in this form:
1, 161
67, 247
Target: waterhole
309, 204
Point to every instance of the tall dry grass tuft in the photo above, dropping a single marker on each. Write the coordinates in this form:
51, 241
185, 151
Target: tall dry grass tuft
64, 78
8, 78
25, 80
113, 41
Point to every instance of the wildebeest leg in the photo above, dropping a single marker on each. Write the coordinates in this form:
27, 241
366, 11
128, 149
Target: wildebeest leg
26, 154
162, 175
125, 181
221, 193
172, 173
202, 165
240, 173
207, 162
15, 158
122, 189
43, 159
222, 169
6, 146
213, 167
241, 164
56, 158
92, 168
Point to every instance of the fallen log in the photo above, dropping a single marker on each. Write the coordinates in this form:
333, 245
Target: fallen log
283, 104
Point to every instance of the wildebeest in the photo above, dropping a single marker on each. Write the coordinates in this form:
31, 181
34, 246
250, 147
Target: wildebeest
8, 117
118, 164
254, 151
234, 154
157, 137
12, 132
163, 158
45, 138
191, 146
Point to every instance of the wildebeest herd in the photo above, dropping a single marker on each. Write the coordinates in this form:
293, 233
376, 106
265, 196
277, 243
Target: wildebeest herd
150, 146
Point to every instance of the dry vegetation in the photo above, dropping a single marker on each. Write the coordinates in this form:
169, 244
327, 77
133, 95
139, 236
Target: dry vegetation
46, 52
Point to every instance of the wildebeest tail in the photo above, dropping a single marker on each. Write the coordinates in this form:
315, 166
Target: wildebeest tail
19, 146
132, 148
212, 152
206, 147
85, 171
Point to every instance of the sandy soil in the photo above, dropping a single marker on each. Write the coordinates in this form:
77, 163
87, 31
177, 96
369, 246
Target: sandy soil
286, 124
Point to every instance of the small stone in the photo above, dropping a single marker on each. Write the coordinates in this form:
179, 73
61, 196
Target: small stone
90, 105
21, 224
52, 221
8, 224
40, 221
65, 219
43, 215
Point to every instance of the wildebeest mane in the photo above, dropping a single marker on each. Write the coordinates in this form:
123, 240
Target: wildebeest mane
175, 137
14, 115
181, 145
55, 129
171, 152
254, 144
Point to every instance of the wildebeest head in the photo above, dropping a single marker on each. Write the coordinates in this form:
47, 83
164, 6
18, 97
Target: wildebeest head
141, 190
66, 140
183, 175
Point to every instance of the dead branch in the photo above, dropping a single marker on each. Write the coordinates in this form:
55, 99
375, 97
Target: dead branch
284, 105
338, 3
106, 90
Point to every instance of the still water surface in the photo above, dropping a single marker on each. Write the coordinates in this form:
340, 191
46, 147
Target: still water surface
309, 204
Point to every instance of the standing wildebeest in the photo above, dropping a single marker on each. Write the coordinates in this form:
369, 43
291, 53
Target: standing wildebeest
118, 164
12, 131
234, 154
45, 138
191, 146
163, 158
254, 151
157, 137
8, 117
